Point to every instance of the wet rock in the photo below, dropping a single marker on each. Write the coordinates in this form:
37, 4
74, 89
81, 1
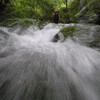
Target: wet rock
55, 39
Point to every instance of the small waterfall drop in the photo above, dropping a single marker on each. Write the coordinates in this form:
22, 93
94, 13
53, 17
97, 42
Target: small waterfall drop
32, 67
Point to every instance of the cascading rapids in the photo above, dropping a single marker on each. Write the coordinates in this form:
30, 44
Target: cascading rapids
32, 67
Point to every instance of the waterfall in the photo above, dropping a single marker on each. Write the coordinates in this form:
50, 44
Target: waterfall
32, 67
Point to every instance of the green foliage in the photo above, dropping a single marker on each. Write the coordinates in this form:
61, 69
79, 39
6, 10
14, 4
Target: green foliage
36, 9
15, 21
26, 22
83, 9
8, 22
42, 10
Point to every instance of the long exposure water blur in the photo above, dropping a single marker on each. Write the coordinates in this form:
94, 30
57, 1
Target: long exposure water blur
33, 67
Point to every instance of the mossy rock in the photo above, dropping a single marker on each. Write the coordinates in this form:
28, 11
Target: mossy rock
68, 31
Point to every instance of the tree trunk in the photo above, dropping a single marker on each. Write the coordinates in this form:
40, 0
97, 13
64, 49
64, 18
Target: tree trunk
66, 5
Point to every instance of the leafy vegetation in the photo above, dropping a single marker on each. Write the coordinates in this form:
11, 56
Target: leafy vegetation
42, 10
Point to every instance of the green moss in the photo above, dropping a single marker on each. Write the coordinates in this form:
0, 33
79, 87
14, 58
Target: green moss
68, 31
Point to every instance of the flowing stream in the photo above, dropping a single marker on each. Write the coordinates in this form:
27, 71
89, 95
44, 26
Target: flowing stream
32, 67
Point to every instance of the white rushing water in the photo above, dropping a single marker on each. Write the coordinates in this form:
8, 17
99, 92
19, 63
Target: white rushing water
32, 67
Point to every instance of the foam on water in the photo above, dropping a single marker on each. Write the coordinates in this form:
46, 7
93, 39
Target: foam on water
32, 67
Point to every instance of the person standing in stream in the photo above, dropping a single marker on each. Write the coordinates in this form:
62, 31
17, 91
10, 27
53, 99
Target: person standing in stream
56, 17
